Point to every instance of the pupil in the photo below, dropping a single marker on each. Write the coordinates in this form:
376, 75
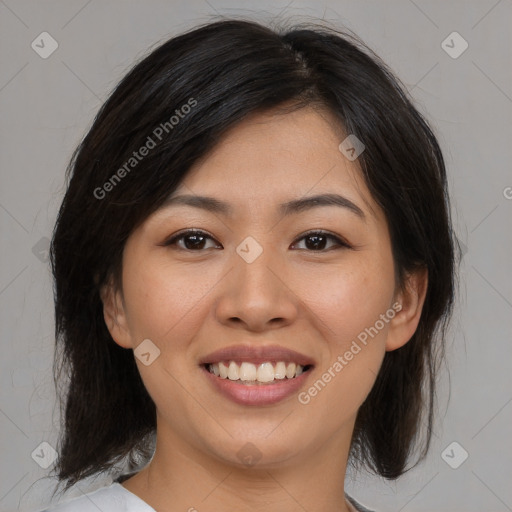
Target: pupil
198, 241
196, 244
316, 243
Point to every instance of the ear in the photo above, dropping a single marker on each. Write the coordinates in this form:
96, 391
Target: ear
411, 298
114, 314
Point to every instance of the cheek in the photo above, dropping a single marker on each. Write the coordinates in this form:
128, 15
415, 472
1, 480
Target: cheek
164, 300
349, 308
166, 305
351, 299
354, 306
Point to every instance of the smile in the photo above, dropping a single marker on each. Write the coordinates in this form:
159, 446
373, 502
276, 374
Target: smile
266, 383
254, 374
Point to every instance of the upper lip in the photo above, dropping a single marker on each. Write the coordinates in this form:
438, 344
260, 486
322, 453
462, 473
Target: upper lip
257, 354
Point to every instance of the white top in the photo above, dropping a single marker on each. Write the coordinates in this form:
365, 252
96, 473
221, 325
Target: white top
114, 498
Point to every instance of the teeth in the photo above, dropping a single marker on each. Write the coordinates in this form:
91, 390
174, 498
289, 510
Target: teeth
280, 371
223, 370
290, 371
249, 372
265, 373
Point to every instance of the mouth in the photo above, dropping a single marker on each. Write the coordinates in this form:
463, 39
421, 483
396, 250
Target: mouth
256, 374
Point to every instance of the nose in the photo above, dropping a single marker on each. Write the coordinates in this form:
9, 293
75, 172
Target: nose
255, 295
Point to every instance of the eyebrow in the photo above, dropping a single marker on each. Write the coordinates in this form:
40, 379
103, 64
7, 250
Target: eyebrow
285, 209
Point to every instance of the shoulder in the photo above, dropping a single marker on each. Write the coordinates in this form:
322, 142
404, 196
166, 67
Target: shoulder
108, 498
357, 506
114, 498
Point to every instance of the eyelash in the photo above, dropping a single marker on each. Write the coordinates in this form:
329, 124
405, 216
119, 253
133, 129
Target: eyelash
183, 234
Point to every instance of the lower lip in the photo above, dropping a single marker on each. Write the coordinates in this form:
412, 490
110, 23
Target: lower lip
264, 394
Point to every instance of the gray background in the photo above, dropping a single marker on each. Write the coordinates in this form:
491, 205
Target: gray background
48, 104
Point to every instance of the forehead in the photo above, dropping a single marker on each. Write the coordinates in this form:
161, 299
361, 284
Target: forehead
272, 157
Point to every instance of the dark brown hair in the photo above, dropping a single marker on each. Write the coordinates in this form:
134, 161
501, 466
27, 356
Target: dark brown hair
224, 71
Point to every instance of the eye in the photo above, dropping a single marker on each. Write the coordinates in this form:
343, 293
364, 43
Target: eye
193, 240
316, 241
196, 240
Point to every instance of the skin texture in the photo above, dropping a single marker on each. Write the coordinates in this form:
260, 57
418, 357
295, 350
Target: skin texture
315, 301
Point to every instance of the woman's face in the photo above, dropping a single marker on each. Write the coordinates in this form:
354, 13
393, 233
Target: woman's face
255, 283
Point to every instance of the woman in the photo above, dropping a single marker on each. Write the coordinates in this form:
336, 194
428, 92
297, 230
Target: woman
254, 270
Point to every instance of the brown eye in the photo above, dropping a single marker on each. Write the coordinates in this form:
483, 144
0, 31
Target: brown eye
196, 241
316, 241
193, 240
